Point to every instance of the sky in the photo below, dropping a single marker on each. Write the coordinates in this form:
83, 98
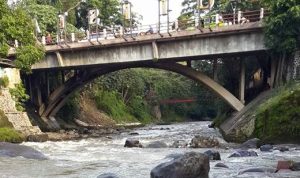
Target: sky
149, 10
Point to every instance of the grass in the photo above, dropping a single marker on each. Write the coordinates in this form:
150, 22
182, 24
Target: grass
278, 119
10, 135
7, 132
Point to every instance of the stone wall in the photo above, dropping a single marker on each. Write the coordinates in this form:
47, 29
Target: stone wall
19, 120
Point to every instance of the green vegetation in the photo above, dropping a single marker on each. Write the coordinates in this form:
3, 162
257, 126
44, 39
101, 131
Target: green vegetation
278, 119
4, 82
20, 29
19, 95
7, 133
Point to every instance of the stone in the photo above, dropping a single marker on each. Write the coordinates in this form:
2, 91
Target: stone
262, 170
295, 166
204, 142
133, 133
266, 148
190, 165
37, 137
157, 144
107, 175
243, 153
284, 165
179, 144
222, 165
133, 143
212, 125
213, 155
15, 150
282, 148
252, 143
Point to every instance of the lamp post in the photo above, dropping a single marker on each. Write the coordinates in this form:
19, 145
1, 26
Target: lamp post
233, 4
127, 14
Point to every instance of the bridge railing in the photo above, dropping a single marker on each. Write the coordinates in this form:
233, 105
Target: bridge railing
213, 21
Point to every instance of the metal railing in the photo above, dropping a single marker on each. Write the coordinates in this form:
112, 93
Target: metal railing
196, 23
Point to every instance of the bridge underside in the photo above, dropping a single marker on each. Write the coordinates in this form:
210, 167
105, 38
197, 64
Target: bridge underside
50, 102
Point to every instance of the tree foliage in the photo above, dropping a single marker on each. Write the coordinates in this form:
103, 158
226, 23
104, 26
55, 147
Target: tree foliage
282, 29
19, 29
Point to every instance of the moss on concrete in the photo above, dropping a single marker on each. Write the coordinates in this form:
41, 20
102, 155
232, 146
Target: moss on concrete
278, 119
7, 132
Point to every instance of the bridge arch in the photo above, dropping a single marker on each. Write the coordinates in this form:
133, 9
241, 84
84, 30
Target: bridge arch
58, 98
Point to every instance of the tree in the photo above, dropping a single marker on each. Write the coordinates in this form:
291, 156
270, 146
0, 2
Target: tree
282, 33
19, 29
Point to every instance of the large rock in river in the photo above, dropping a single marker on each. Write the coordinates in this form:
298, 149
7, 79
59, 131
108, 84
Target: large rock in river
213, 155
14, 150
133, 143
190, 165
243, 153
204, 142
252, 143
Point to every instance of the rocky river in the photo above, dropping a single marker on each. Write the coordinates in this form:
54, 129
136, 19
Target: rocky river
92, 157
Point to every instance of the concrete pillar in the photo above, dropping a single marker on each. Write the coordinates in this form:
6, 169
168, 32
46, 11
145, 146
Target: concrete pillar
189, 63
242, 81
215, 69
47, 84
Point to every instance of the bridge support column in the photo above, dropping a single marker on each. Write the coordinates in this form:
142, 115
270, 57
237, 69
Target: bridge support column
242, 81
215, 69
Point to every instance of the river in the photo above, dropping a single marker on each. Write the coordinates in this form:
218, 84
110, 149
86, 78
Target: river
94, 156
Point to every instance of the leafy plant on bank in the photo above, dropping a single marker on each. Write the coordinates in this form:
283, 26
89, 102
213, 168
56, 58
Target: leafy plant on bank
4, 82
19, 95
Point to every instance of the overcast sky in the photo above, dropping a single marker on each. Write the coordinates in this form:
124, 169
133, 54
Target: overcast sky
149, 10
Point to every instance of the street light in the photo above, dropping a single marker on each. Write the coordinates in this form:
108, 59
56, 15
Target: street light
233, 4
127, 14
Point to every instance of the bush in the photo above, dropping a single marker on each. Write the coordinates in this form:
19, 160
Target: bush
71, 109
4, 82
4, 120
19, 95
113, 105
10, 135
278, 119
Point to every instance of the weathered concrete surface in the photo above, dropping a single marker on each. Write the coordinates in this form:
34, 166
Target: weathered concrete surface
181, 45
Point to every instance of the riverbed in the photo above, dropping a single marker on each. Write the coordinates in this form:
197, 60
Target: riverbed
91, 157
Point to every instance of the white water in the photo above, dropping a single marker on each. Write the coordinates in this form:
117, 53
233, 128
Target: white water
92, 157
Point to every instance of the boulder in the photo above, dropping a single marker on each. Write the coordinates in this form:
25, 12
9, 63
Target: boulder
14, 150
179, 144
133, 143
157, 144
282, 148
252, 143
221, 165
204, 142
190, 165
133, 133
295, 166
284, 165
107, 175
243, 153
266, 148
213, 155
262, 170
37, 137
